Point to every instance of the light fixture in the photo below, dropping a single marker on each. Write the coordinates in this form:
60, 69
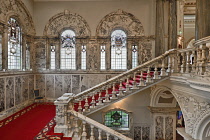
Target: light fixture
118, 51
68, 50
12, 49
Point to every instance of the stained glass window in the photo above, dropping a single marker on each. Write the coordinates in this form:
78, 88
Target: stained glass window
83, 57
52, 57
14, 45
117, 119
27, 56
103, 57
118, 50
134, 56
0, 52
68, 50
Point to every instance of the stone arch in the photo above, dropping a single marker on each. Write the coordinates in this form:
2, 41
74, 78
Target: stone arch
162, 93
202, 130
67, 20
17, 9
120, 20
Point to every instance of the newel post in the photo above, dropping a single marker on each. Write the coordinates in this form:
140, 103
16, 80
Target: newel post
62, 105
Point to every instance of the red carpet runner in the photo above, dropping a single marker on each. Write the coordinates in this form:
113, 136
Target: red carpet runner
27, 126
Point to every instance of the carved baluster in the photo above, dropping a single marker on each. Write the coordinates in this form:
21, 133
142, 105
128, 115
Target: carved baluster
107, 136
84, 133
76, 128
183, 66
156, 73
141, 81
194, 61
114, 93
127, 83
92, 133
120, 94
169, 63
148, 78
99, 134
100, 100
80, 107
179, 62
93, 102
107, 100
203, 60
86, 109
163, 71
198, 60
188, 65
134, 82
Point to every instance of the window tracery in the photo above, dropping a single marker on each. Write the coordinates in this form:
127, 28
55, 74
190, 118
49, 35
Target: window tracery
118, 50
68, 49
14, 44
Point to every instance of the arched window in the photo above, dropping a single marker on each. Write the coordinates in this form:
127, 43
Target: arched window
68, 50
118, 50
118, 119
14, 44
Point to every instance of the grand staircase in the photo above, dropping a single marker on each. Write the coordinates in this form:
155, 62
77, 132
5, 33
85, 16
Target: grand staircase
72, 110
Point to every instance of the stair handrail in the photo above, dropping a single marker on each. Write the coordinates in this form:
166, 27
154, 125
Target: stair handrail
154, 60
98, 125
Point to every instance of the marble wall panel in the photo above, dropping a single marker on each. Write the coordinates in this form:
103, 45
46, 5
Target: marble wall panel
24, 88
58, 86
2, 94
84, 82
9, 92
95, 80
40, 57
75, 84
40, 84
31, 86
67, 83
18, 90
50, 92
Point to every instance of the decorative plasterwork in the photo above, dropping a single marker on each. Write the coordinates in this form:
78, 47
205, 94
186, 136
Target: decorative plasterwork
120, 20
190, 7
158, 92
17, 9
194, 112
67, 20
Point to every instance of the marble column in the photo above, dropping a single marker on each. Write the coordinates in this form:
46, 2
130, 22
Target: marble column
159, 31
202, 26
24, 52
48, 51
5, 49
172, 24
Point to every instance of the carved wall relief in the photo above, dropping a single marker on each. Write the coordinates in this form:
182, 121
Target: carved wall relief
159, 128
67, 20
141, 133
194, 112
18, 9
120, 19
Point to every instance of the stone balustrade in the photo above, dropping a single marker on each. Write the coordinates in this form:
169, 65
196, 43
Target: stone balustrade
70, 108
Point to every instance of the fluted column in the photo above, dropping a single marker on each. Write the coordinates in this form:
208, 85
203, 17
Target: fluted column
159, 31
172, 25
202, 26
